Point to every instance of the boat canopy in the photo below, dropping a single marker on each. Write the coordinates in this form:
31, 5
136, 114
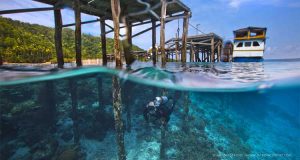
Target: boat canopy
250, 33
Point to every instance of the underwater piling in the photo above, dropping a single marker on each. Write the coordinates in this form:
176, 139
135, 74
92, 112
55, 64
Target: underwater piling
46, 99
186, 109
117, 102
74, 116
162, 153
117, 106
100, 92
163, 132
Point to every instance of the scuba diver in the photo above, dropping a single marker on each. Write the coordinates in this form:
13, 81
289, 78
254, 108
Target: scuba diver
159, 110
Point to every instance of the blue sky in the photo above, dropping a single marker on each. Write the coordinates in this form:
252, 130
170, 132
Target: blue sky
281, 17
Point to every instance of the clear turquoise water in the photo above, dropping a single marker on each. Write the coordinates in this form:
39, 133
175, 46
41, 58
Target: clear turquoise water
223, 111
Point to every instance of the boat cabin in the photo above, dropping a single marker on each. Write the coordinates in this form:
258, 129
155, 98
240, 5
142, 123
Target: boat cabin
249, 44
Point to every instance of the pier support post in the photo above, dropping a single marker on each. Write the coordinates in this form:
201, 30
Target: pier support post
162, 31
212, 55
184, 36
103, 41
153, 41
73, 90
1, 60
192, 52
58, 38
117, 107
127, 43
77, 32
116, 10
219, 51
177, 48
119, 126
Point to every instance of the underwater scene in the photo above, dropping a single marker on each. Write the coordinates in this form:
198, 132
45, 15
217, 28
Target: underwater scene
196, 111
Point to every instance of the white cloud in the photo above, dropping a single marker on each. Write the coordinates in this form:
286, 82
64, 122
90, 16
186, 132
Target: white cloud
236, 4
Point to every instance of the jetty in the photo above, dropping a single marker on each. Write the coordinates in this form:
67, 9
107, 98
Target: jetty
202, 48
124, 13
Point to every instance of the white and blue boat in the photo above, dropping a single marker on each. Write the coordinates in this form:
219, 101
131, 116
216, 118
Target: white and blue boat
249, 44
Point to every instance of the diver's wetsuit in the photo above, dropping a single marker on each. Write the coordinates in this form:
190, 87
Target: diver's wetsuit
156, 112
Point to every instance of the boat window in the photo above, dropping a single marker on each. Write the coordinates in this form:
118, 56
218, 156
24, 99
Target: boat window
256, 44
240, 44
247, 44
252, 34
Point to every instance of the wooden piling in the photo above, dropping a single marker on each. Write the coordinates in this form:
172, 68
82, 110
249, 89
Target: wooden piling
212, 55
117, 107
153, 41
116, 10
100, 92
46, 99
184, 36
162, 32
185, 123
192, 53
219, 52
163, 130
176, 49
127, 43
1, 59
103, 41
119, 127
73, 90
58, 38
78, 32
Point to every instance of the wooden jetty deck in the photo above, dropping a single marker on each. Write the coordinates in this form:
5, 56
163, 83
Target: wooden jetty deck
124, 13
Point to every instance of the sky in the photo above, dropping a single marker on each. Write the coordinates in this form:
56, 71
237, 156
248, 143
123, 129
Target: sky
218, 16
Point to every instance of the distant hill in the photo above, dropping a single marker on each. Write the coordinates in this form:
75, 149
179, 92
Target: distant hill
31, 43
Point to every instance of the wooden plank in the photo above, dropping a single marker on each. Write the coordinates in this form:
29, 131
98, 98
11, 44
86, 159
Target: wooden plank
162, 32
77, 33
58, 38
12, 11
103, 41
153, 41
184, 36
148, 29
86, 22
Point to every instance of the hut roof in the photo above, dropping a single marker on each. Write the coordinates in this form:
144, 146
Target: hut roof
135, 10
251, 29
198, 38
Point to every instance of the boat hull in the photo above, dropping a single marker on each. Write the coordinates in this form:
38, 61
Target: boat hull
248, 59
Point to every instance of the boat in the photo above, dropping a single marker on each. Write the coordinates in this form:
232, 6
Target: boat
249, 44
